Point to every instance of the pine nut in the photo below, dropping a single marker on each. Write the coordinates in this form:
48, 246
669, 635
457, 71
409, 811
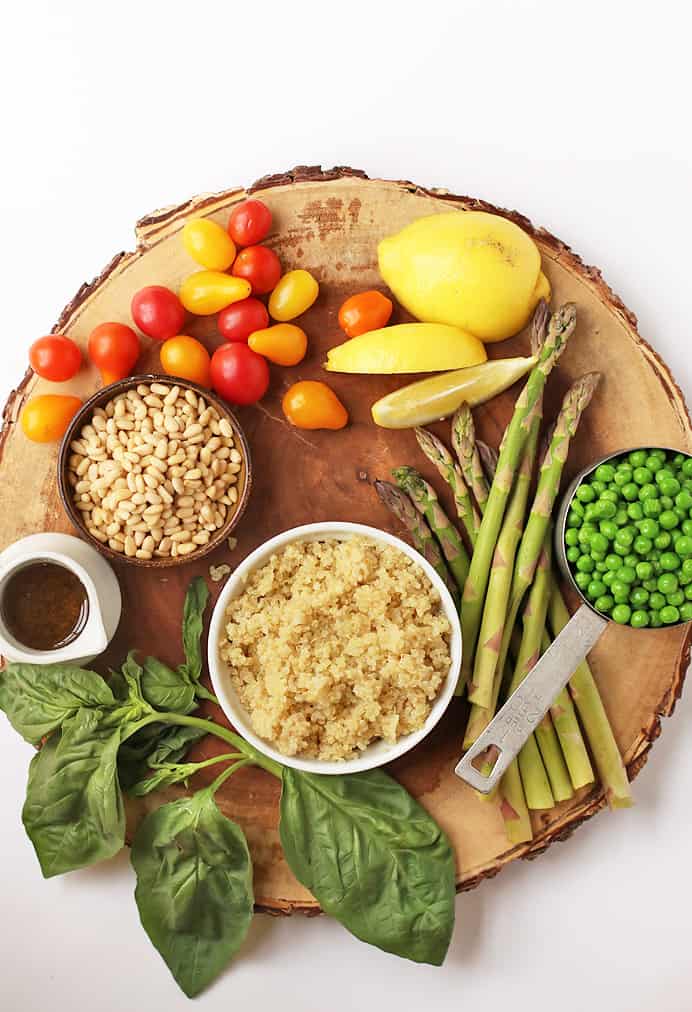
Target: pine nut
186, 548
141, 554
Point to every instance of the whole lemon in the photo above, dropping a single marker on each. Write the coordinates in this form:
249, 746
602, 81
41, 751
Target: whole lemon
469, 269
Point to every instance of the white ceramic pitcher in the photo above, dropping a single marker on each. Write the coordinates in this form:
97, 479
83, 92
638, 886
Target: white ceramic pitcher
98, 580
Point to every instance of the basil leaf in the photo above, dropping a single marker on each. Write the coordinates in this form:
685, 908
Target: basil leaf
152, 745
173, 745
193, 621
40, 698
73, 813
194, 887
165, 689
374, 859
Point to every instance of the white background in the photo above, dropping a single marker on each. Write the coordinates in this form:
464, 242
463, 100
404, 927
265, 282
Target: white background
577, 114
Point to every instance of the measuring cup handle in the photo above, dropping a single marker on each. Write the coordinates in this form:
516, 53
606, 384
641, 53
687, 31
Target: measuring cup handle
526, 707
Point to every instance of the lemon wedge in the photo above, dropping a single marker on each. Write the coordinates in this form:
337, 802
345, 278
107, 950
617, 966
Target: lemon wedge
439, 396
407, 347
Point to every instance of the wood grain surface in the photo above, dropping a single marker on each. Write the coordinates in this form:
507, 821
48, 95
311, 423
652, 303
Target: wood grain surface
329, 222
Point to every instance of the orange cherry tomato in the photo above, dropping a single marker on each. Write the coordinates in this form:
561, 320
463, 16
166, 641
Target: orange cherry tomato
363, 312
310, 404
283, 344
55, 358
114, 350
44, 419
186, 357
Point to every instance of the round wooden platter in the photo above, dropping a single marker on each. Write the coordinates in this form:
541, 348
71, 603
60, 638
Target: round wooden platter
330, 223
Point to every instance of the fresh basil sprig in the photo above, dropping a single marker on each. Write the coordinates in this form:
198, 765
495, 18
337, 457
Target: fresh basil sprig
370, 854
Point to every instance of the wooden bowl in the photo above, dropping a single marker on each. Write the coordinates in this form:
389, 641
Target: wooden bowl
83, 417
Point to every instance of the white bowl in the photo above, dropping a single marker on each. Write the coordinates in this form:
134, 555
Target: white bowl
379, 752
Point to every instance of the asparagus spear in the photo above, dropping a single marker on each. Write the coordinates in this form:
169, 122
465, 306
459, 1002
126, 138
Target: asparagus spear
464, 443
424, 498
438, 454
564, 720
513, 808
561, 326
480, 690
574, 403
553, 760
401, 506
489, 457
587, 699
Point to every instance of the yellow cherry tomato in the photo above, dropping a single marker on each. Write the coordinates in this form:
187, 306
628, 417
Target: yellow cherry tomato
45, 418
208, 292
186, 357
310, 404
208, 244
284, 343
294, 294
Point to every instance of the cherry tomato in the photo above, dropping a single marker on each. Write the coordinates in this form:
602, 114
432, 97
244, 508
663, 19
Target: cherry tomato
44, 419
249, 223
55, 358
208, 244
238, 374
207, 292
114, 350
293, 295
158, 312
310, 404
237, 321
284, 343
260, 266
186, 357
363, 312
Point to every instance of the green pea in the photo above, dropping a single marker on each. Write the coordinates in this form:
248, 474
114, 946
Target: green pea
613, 561
621, 518
585, 534
657, 600
591, 511
649, 528
605, 603
667, 583
687, 467
573, 521
637, 458
644, 570
688, 592
577, 507
573, 553
596, 556
661, 454
598, 543
639, 596
669, 486
666, 502
582, 580
585, 564
662, 540
630, 560
609, 576
652, 507
687, 528
608, 529
677, 598
630, 491
627, 574
610, 495
621, 614
621, 549
654, 463
597, 486
585, 493
669, 562
664, 474
655, 620
596, 588
687, 567
683, 500
571, 537
642, 475
679, 459
604, 509
684, 580
601, 566
625, 536
686, 612
669, 614
643, 546
648, 491
623, 475
606, 472
639, 619
619, 588
651, 585
635, 511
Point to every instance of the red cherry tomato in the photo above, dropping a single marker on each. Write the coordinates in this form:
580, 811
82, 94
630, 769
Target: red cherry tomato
260, 266
114, 350
56, 357
238, 374
158, 312
237, 321
249, 223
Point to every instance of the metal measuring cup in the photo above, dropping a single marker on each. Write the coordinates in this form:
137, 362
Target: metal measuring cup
521, 714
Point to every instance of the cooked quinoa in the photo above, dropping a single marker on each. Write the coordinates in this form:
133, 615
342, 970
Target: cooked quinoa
334, 644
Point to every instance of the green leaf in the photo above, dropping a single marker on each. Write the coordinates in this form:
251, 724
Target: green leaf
193, 622
165, 689
374, 859
40, 698
165, 776
173, 745
154, 744
194, 887
73, 813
